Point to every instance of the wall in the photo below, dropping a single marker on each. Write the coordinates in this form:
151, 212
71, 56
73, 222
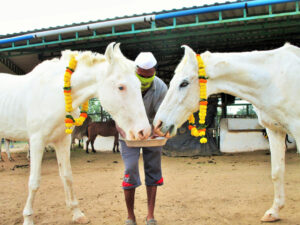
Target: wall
243, 135
101, 143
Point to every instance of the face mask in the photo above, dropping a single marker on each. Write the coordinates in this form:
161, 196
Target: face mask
146, 82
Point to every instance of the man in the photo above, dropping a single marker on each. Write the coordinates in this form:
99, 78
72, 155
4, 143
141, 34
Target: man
153, 92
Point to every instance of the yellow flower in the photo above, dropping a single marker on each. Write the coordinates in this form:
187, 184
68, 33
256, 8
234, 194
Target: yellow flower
68, 125
68, 98
69, 131
203, 140
194, 132
191, 119
202, 133
202, 72
72, 63
67, 76
79, 121
202, 107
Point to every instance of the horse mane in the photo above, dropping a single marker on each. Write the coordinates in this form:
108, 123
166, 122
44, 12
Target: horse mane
87, 57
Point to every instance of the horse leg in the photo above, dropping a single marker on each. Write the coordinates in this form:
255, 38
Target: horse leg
0, 149
7, 150
92, 143
114, 146
117, 142
277, 147
87, 145
28, 155
65, 172
37, 151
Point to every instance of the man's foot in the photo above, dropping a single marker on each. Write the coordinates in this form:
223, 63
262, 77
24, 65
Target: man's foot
130, 222
151, 222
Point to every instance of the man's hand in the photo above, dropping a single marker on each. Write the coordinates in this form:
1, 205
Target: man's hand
157, 132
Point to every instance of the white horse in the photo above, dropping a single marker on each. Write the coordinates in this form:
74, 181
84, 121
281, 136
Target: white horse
33, 108
6, 143
269, 80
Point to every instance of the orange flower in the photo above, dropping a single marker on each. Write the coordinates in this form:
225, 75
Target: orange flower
68, 71
68, 120
83, 115
190, 127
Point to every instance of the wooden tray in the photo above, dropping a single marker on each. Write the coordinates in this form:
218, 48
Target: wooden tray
159, 141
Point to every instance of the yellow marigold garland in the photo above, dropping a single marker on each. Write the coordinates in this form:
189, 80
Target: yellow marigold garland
69, 120
200, 131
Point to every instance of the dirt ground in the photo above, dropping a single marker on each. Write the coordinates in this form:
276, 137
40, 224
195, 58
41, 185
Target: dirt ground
228, 189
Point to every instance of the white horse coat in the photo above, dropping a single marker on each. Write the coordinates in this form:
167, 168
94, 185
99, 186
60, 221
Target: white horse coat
33, 108
269, 80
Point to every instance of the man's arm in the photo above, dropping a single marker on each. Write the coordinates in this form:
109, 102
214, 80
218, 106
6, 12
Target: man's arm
162, 91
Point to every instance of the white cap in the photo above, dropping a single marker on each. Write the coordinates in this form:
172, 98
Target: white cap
145, 60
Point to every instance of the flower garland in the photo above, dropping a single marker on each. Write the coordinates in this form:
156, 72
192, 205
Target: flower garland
200, 131
69, 120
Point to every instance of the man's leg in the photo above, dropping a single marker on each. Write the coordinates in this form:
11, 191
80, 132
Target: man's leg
153, 176
131, 178
151, 196
129, 198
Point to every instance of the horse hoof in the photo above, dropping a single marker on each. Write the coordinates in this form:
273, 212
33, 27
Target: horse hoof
82, 220
28, 221
269, 217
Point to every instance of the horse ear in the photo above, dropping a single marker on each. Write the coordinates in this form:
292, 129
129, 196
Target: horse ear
117, 49
109, 52
188, 52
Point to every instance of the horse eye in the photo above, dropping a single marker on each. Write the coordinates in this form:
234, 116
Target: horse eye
121, 87
184, 84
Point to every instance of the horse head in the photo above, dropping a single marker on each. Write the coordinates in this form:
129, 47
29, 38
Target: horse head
120, 94
182, 97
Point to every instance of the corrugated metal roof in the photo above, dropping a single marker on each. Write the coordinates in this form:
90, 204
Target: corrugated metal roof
232, 32
117, 17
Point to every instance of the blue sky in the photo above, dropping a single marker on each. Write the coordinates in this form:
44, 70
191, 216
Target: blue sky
16, 15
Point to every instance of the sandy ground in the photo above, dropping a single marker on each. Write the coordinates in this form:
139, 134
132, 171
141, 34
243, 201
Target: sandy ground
229, 189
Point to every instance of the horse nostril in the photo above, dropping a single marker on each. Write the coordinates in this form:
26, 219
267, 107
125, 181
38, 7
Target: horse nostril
131, 135
159, 124
141, 133
171, 128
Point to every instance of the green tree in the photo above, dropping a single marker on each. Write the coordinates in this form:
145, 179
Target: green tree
96, 111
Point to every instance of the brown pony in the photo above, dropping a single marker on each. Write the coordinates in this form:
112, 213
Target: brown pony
80, 132
104, 129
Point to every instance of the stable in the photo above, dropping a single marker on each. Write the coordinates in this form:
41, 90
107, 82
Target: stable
229, 27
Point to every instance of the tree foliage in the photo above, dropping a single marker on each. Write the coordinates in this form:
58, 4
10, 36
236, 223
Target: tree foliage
96, 111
